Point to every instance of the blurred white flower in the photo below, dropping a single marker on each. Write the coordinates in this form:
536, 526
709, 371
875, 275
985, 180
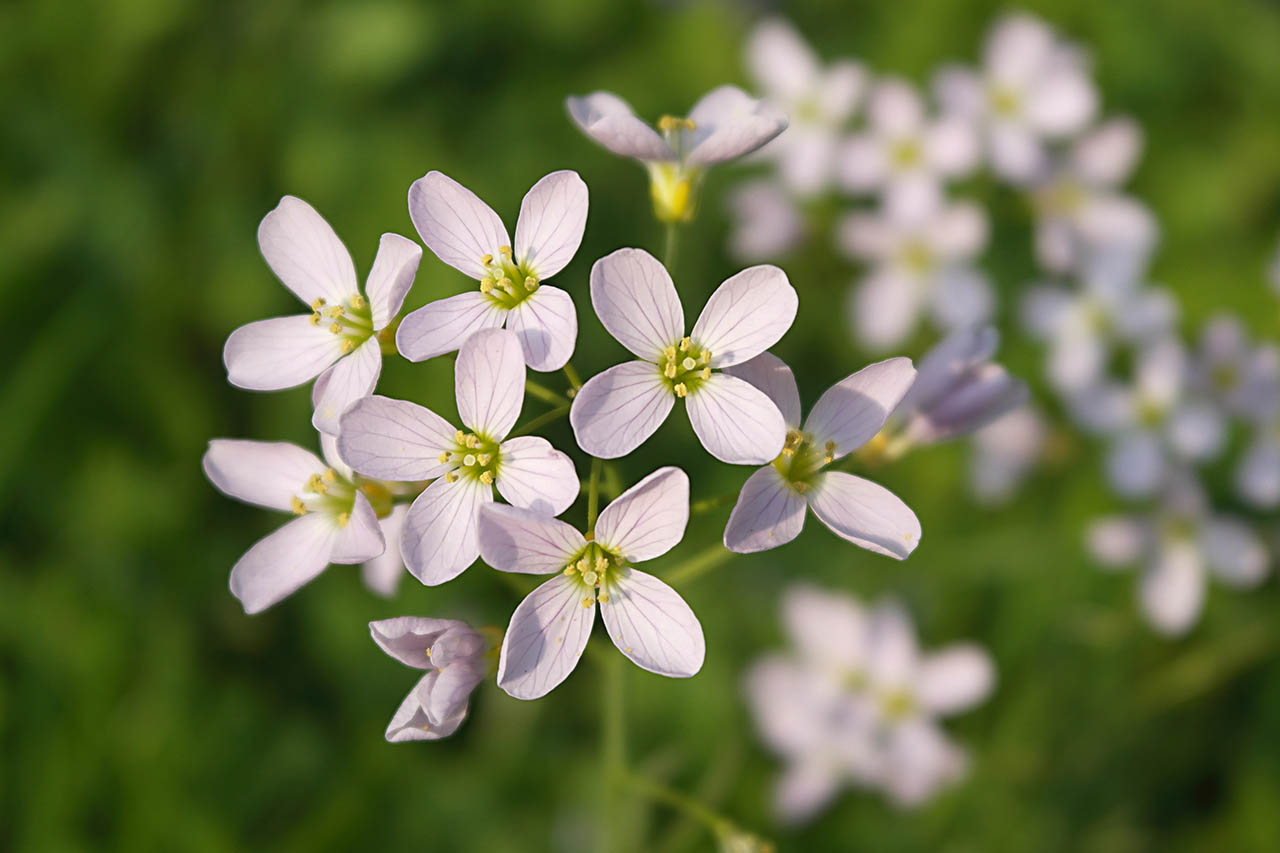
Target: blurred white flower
1240, 376
766, 222
1257, 474
921, 263
725, 124
1176, 546
398, 440
1032, 88
454, 657
818, 102
466, 234
905, 155
636, 301
341, 339
770, 510
647, 620
1004, 453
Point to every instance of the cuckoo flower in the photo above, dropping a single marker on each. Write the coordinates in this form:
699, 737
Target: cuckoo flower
455, 659
466, 234
771, 507
1004, 453
647, 620
725, 124
339, 513
394, 439
617, 410
341, 339
766, 221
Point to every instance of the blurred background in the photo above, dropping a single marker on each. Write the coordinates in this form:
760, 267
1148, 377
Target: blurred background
140, 709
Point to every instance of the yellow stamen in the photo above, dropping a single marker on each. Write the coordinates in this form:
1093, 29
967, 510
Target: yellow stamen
669, 352
685, 343
705, 373
530, 283
317, 303
443, 457
343, 519
329, 475
357, 302
569, 570
603, 598
347, 346
451, 477
483, 458
487, 260
316, 319
670, 370
487, 478
601, 564
505, 251
458, 435
336, 328
587, 601
486, 286
681, 389
298, 506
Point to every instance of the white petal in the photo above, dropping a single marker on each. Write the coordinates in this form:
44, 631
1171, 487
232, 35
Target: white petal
866, 514
827, 628
1258, 474
962, 297
893, 655
772, 376
919, 760
391, 276
1063, 103
636, 302
959, 91
653, 626
534, 475
266, 473
861, 163
952, 146
1116, 541
305, 254
360, 538
329, 451
440, 540
489, 380
1135, 464
521, 540
947, 363
1107, 155
353, 377
283, 561
382, 574
545, 639
1197, 430
615, 411
884, 308
451, 691
395, 440
409, 722
1234, 552
608, 120
768, 513
553, 215
547, 325
1017, 155
445, 325
279, 353
855, 408
805, 788
781, 61
894, 107
735, 421
407, 638
954, 679
1017, 47
746, 315
729, 124
648, 519
767, 223
455, 224
1172, 589
958, 231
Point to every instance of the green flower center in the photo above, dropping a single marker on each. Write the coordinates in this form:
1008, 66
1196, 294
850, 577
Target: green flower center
685, 366
331, 493
906, 153
595, 568
506, 282
1005, 102
897, 705
801, 459
474, 457
917, 257
1225, 377
1063, 197
351, 321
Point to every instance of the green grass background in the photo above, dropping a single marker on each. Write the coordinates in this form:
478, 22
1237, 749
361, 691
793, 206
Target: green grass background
143, 140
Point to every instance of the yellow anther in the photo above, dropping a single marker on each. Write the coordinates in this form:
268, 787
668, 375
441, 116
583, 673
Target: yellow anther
357, 302
590, 535
601, 564
681, 390
317, 303
473, 441
487, 478
334, 311
297, 506
329, 475
666, 124
603, 598
451, 477
788, 451
584, 565
343, 518
706, 356
569, 570
670, 370
530, 283
685, 343
590, 578
316, 485
505, 251
505, 284
587, 601
459, 435
486, 286
469, 460
336, 328
688, 363
484, 458
669, 352
316, 319
347, 346
705, 373
443, 457
801, 487
690, 124
487, 260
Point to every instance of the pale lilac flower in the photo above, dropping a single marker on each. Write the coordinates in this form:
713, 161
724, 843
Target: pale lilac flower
466, 234
920, 263
725, 124
1176, 547
1032, 89
382, 574
1257, 474
817, 100
1243, 378
771, 506
1004, 453
766, 222
454, 657
904, 154
398, 440
338, 513
341, 339
958, 389
647, 620
635, 299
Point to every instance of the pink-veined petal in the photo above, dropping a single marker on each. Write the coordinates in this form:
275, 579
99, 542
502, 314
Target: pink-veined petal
636, 301
439, 540
391, 276
853, 410
547, 325
409, 722
281, 352
521, 540
354, 376
382, 574
360, 538
729, 123
866, 514
954, 679
445, 325
746, 315
653, 626
608, 120
768, 513
553, 215
772, 376
407, 638
545, 638
534, 475
265, 473
648, 519
395, 440
304, 253
735, 421
489, 380
281, 562
615, 411
455, 224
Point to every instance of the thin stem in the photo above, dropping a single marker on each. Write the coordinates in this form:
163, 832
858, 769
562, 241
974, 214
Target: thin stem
708, 504
698, 565
544, 418
613, 744
544, 393
593, 493
670, 245
575, 381
718, 824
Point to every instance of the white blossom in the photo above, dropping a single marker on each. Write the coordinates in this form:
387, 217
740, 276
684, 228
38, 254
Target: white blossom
766, 221
454, 657
1005, 451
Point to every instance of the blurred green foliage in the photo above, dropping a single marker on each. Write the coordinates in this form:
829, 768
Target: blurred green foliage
141, 710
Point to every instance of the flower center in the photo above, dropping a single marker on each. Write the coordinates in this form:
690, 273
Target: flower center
506, 282
1150, 412
1063, 197
671, 188
905, 153
474, 456
595, 567
327, 492
685, 366
917, 257
1226, 377
801, 459
897, 705
1005, 101
351, 321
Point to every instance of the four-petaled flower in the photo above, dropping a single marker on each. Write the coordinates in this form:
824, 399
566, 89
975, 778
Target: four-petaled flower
341, 339
771, 507
398, 440
647, 620
617, 410
466, 234
454, 657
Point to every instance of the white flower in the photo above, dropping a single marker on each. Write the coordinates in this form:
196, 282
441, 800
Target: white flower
382, 574
1032, 89
617, 410
453, 656
466, 234
339, 513
766, 222
1004, 452
398, 440
1257, 474
1175, 546
817, 100
725, 124
904, 154
341, 339
771, 506
1242, 378
958, 389
920, 262
646, 619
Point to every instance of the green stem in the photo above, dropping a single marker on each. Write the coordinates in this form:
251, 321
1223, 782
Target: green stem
544, 393
593, 493
670, 244
613, 744
544, 418
718, 824
698, 565
575, 381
